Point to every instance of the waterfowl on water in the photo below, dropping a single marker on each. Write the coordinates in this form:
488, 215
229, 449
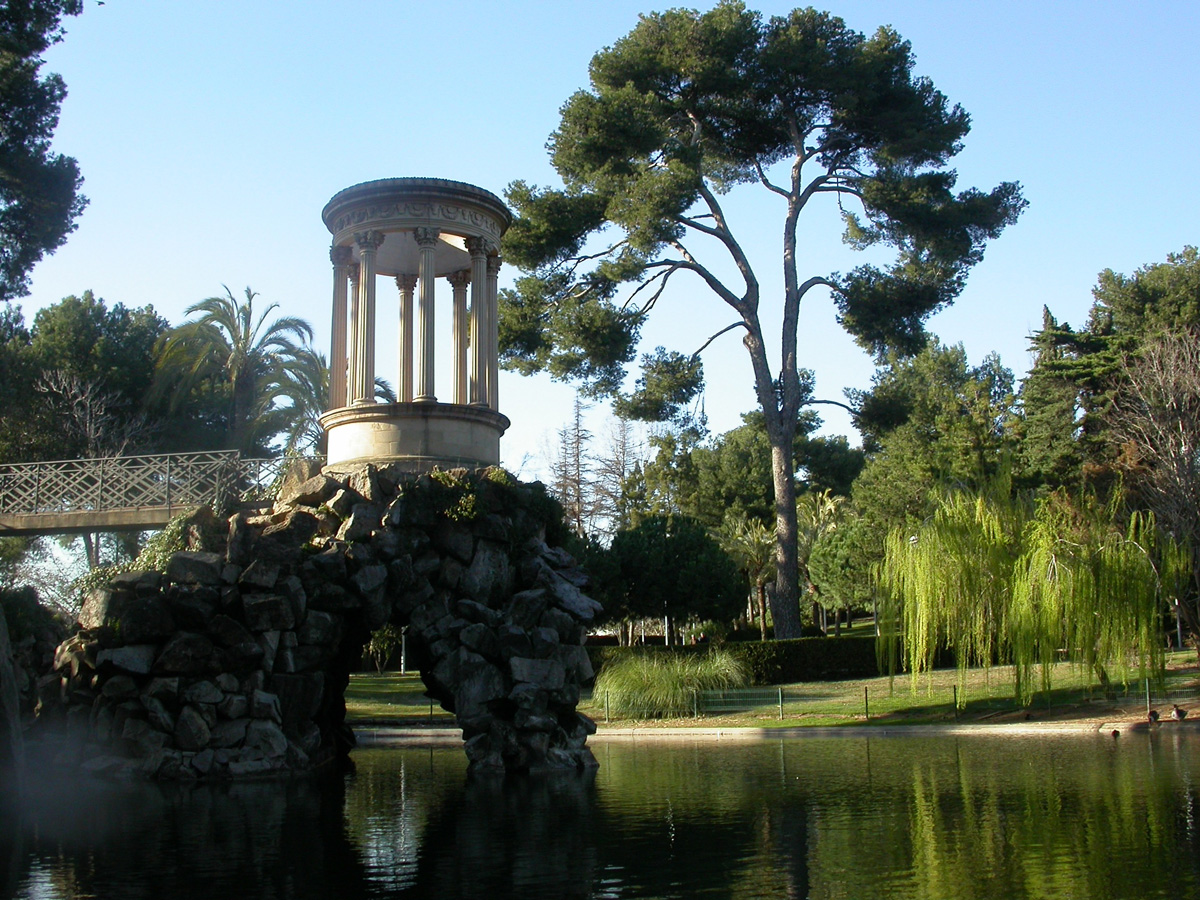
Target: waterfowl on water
1153, 715
1178, 714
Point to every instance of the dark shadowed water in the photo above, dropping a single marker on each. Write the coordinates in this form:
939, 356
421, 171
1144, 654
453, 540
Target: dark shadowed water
945, 818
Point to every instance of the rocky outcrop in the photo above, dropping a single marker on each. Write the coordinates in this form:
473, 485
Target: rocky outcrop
234, 660
12, 753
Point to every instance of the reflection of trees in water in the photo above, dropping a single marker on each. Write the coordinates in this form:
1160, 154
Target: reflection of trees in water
1011, 829
269, 839
979, 818
974, 818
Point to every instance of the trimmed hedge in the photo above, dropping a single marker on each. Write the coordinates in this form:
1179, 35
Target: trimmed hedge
777, 662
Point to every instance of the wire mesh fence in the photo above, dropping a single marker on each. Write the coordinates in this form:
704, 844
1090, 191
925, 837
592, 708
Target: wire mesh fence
836, 702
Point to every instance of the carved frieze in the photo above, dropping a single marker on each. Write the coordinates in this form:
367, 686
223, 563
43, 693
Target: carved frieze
452, 214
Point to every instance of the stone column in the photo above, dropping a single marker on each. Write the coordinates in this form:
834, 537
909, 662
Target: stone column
404, 383
340, 257
368, 242
478, 248
459, 281
352, 340
427, 239
493, 337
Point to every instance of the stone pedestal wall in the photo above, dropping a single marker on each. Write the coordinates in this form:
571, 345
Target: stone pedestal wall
234, 660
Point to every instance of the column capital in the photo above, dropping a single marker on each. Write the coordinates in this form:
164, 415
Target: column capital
479, 246
425, 236
340, 256
459, 279
406, 282
368, 240
493, 264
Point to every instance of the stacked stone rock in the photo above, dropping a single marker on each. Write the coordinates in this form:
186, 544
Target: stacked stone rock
12, 750
234, 661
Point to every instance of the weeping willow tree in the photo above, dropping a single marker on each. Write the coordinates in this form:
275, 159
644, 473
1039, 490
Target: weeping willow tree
998, 579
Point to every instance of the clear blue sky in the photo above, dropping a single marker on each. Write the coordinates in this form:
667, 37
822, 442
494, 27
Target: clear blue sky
211, 134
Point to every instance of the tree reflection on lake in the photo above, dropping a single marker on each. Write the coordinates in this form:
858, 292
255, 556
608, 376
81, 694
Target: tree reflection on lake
825, 818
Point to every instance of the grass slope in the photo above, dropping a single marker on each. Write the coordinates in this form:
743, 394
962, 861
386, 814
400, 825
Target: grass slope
394, 699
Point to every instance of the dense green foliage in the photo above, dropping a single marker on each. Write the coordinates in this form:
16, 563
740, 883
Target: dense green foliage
39, 189
929, 421
669, 567
74, 384
839, 565
691, 105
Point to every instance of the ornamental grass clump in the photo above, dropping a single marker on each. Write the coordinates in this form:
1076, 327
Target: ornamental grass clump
662, 685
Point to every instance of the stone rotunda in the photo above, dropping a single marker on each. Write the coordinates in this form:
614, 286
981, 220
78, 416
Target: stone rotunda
415, 231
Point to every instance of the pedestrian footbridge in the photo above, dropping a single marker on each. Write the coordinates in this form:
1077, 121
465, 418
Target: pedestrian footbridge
125, 493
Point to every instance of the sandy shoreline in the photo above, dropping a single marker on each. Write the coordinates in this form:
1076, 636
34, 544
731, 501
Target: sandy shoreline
391, 736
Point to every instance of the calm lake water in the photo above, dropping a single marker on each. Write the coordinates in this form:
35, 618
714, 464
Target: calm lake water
945, 818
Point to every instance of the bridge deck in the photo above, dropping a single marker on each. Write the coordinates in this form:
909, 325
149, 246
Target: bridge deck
138, 519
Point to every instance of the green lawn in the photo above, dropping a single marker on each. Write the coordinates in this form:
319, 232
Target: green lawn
391, 699
400, 700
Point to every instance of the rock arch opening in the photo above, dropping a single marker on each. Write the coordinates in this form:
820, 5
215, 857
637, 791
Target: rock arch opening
234, 661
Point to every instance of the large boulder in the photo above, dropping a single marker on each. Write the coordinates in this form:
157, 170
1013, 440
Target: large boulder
12, 751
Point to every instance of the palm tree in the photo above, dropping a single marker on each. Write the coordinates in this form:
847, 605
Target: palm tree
240, 359
817, 514
306, 388
752, 546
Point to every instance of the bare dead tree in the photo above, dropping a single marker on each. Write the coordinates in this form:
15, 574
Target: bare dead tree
95, 423
612, 470
571, 471
1156, 419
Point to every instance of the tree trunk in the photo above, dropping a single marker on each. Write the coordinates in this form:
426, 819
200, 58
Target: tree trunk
762, 610
91, 548
785, 602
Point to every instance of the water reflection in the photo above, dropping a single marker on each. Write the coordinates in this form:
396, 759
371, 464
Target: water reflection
76, 839
901, 817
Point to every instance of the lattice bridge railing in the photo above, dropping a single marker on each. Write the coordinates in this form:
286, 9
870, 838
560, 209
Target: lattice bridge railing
162, 482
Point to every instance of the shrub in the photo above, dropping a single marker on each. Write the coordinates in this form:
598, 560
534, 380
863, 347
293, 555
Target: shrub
657, 685
384, 642
772, 662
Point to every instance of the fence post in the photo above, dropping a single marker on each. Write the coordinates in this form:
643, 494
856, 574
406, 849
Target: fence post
606, 707
781, 702
956, 703
695, 704
866, 705
1147, 698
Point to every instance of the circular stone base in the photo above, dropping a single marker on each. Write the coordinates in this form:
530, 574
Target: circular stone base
415, 436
